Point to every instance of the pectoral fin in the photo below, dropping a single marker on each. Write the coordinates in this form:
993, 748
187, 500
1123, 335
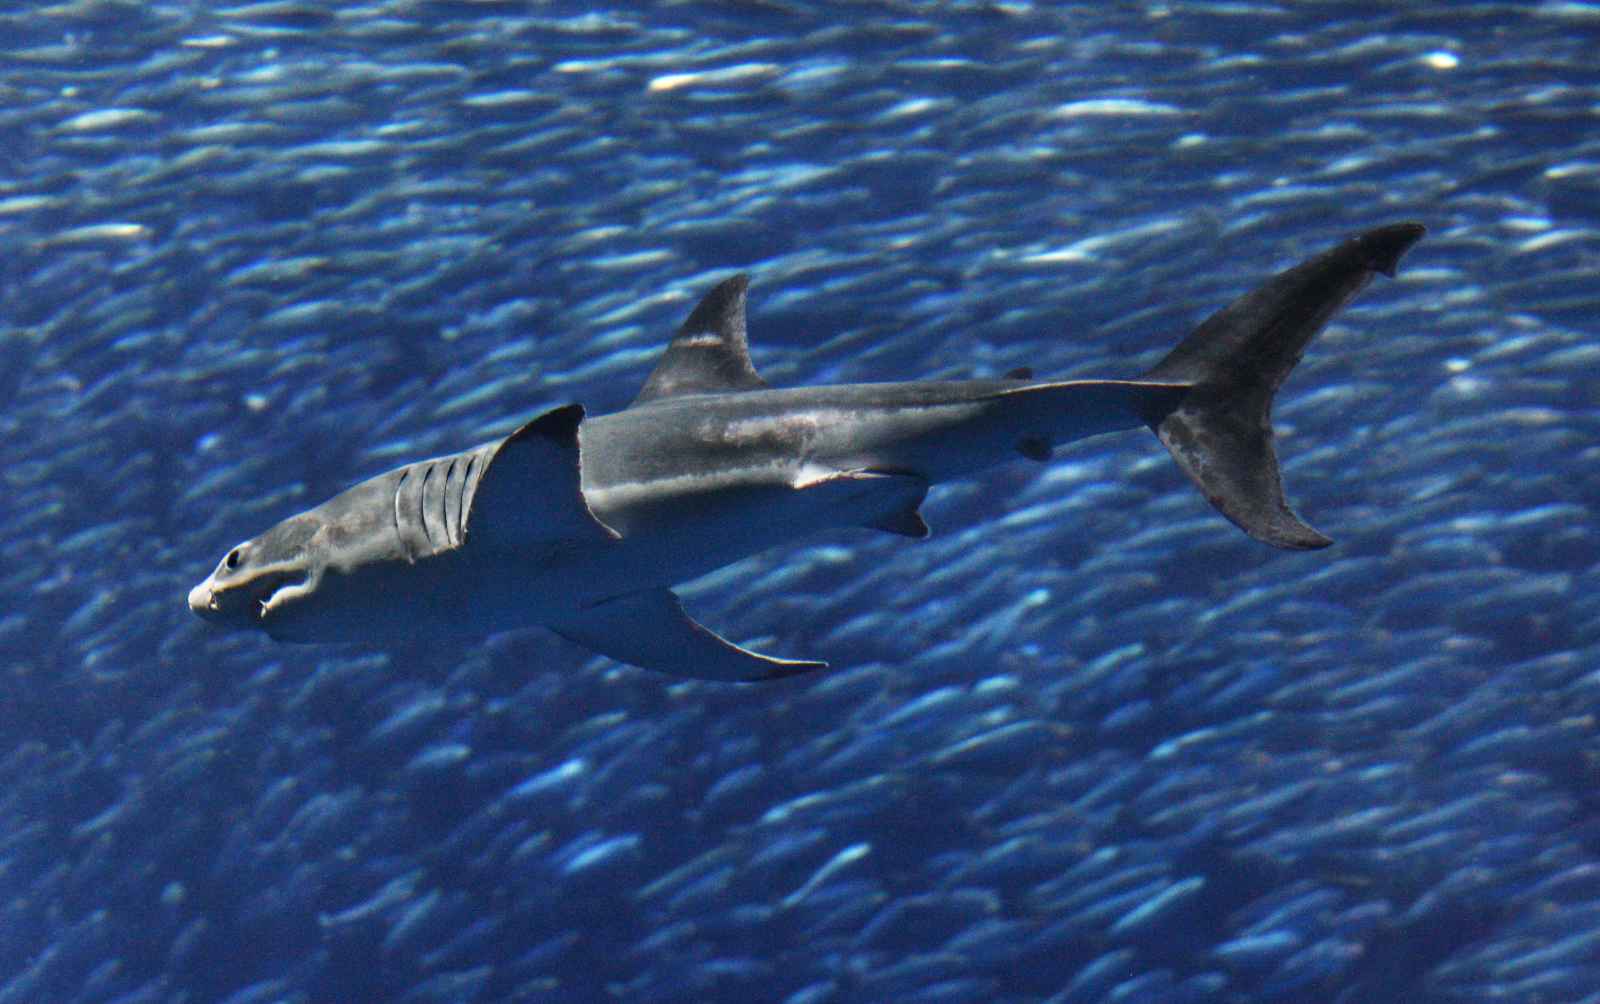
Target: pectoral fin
650, 629
530, 491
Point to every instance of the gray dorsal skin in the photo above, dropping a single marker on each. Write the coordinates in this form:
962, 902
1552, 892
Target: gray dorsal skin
582, 526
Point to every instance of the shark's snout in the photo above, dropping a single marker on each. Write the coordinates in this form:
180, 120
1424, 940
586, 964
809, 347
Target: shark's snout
203, 601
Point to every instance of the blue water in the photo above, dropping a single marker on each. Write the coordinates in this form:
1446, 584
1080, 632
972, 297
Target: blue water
1088, 743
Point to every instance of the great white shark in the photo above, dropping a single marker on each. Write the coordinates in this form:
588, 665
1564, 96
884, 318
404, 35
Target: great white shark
582, 525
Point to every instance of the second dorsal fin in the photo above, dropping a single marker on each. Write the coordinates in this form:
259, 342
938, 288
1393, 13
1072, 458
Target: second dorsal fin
709, 354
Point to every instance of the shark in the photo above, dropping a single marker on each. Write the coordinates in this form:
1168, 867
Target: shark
583, 525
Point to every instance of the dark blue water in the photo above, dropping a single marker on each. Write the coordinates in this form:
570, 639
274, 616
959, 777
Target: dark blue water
1087, 744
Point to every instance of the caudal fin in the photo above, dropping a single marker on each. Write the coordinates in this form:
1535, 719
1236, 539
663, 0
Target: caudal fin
1221, 431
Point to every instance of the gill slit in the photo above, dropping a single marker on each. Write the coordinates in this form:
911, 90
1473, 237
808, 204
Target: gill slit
422, 508
461, 507
444, 507
399, 488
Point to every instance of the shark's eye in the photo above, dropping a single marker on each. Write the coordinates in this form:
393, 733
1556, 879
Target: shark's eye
232, 560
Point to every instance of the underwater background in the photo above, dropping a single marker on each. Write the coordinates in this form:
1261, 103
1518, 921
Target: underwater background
1088, 743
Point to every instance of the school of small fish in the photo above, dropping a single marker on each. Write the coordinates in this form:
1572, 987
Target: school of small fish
1087, 743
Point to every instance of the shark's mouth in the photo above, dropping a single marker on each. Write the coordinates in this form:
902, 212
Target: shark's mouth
248, 601
286, 587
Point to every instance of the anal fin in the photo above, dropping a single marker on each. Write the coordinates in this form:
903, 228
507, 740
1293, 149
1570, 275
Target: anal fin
650, 629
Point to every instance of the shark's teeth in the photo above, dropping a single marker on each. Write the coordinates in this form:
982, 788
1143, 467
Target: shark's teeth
289, 591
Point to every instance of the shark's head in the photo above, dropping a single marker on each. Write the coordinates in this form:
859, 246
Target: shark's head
335, 573
259, 583
388, 558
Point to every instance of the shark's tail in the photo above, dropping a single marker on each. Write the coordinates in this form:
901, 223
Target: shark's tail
1221, 431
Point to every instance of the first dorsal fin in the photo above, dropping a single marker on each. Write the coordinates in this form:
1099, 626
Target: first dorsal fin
709, 354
